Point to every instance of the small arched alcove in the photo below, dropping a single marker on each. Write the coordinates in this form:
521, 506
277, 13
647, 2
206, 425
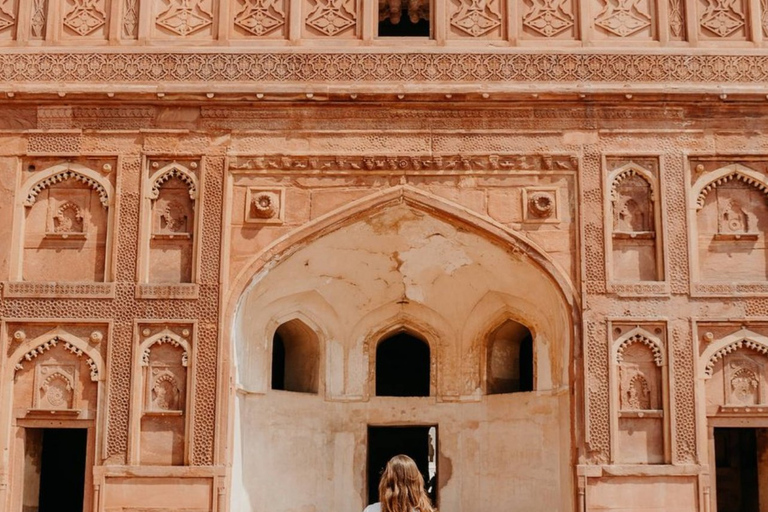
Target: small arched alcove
295, 358
402, 366
509, 359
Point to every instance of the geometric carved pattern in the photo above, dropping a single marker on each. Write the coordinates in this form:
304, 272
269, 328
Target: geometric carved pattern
131, 18
621, 176
722, 17
331, 17
184, 17
64, 176
251, 67
676, 20
725, 179
85, 16
260, 17
38, 18
477, 17
622, 18
732, 347
548, 17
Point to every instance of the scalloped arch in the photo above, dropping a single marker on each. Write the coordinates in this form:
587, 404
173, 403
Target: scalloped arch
63, 172
173, 170
45, 342
640, 335
711, 181
627, 170
164, 336
743, 338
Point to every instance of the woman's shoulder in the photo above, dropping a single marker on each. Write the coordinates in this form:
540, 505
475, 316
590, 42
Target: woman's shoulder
376, 507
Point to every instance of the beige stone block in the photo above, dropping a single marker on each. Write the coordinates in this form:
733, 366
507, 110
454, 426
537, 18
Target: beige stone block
324, 201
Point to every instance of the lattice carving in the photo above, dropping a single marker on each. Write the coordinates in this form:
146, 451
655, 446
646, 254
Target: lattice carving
331, 17
145, 355
260, 17
38, 20
477, 17
174, 172
51, 343
184, 17
723, 17
701, 198
253, 67
64, 176
85, 16
549, 17
733, 347
7, 16
655, 346
623, 17
131, 18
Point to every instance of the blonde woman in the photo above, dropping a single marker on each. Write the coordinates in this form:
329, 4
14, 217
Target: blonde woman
401, 488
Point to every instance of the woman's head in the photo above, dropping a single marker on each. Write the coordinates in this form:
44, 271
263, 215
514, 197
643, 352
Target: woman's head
401, 488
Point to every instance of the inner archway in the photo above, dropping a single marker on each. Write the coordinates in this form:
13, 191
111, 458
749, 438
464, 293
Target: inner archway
402, 366
382, 285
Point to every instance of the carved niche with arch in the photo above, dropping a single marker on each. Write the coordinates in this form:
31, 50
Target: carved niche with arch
169, 222
734, 366
64, 222
728, 218
634, 245
639, 393
162, 393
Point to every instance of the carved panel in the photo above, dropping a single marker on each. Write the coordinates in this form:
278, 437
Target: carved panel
549, 18
477, 18
39, 19
8, 17
625, 18
540, 204
184, 18
260, 17
677, 20
723, 19
85, 17
743, 381
332, 18
55, 386
130, 25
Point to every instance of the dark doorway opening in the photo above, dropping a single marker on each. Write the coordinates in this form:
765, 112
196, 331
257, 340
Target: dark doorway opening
55, 460
278, 362
741, 460
419, 443
402, 366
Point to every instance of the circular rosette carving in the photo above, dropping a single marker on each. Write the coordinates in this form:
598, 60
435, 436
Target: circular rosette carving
265, 205
541, 205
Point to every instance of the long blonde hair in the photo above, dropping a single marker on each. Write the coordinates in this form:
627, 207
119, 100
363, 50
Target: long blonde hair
401, 488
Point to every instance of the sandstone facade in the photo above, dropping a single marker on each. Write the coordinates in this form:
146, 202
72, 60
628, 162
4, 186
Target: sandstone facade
215, 215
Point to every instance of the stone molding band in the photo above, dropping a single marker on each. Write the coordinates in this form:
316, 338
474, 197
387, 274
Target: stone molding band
203, 69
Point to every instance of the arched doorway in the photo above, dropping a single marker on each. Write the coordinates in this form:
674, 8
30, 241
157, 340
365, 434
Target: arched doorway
403, 274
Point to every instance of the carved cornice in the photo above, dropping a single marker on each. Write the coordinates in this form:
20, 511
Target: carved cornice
369, 69
392, 163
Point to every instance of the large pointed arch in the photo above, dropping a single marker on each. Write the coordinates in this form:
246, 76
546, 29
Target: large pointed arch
415, 198
63, 172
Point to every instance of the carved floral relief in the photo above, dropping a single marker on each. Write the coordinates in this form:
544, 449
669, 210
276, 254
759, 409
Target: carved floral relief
260, 17
477, 17
549, 17
131, 18
56, 384
185, 17
331, 17
722, 18
624, 18
83, 17
7, 15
